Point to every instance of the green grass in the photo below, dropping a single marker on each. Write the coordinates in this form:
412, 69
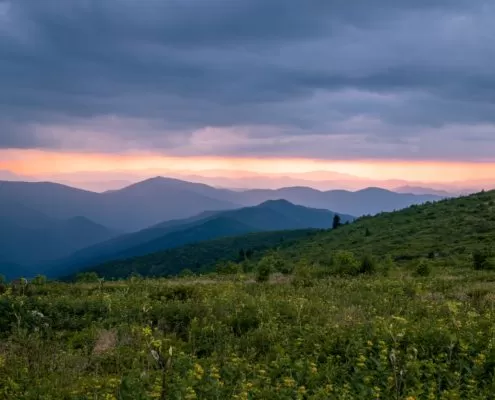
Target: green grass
446, 232
396, 337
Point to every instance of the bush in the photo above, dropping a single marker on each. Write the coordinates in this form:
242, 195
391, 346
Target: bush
387, 264
303, 276
264, 270
367, 265
229, 268
39, 280
87, 277
423, 269
345, 263
186, 273
482, 261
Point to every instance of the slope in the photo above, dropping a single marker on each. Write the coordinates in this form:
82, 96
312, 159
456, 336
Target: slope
200, 257
269, 216
449, 231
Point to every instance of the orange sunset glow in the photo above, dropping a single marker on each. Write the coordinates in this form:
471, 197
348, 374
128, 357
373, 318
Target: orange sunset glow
37, 163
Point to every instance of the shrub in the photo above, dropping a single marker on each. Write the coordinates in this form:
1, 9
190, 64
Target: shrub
345, 263
422, 269
264, 270
303, 276
87, 277
387, 264
481, 260
229, 268
39, 280
186, 273
367, 265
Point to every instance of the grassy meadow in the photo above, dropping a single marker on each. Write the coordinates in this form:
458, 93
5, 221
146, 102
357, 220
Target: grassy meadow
399, 336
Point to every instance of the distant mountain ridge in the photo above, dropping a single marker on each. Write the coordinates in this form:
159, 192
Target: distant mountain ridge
149, 202
130, 209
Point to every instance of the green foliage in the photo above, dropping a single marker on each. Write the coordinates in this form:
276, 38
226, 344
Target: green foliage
304, 275
367, 265
264, 269
39, 280
186, 273
201, 338
443, 231
202, 257
345, 263
229, 268
88, 277
423, 269
482, 260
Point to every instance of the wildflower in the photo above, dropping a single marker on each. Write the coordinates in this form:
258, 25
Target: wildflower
198, 371
190, 394
147, 331
289, 382
361, 361
214, 373
480, 359
313, 368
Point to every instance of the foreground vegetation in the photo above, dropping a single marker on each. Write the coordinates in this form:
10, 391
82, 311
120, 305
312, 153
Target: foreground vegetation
400, 336
398, 306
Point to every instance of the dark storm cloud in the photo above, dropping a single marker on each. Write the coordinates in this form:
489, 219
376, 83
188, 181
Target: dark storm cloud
283, 69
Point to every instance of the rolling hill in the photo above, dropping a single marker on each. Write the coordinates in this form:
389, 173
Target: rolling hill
274, 215
447, 232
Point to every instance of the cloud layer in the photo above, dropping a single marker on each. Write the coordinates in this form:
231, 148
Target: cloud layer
317, 78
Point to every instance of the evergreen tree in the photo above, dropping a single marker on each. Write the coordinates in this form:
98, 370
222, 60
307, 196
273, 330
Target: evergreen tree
336, 221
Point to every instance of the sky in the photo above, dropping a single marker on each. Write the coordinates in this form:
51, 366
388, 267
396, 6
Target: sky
325, 90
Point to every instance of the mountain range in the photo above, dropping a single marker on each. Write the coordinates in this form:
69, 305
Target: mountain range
273, 215
154, 200
42, 221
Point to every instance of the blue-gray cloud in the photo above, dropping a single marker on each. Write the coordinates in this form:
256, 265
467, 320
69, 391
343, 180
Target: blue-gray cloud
388, 76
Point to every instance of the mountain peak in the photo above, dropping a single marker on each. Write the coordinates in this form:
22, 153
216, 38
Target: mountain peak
276, 202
